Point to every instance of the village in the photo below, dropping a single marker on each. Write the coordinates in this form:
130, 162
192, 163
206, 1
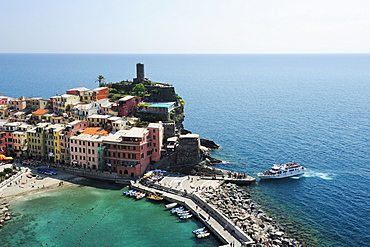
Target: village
87, 129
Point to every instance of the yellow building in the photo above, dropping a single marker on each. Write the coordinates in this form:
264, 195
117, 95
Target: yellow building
36, 141
61, 103
53, 134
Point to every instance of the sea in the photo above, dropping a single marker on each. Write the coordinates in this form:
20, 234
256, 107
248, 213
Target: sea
262, 109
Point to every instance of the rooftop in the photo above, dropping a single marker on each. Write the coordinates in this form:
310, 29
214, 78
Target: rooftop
95, 131
40, 112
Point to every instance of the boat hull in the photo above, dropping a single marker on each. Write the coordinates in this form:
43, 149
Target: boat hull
279, 176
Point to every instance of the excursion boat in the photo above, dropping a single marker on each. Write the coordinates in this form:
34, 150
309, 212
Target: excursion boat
282, 171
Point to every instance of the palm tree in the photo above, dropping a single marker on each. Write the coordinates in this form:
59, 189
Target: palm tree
100, 79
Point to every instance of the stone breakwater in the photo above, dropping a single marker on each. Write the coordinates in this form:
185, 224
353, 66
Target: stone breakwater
235, 203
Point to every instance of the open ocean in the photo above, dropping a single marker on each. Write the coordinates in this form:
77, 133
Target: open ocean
261, 109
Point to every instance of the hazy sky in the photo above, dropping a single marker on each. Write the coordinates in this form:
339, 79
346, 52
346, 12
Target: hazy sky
185, 26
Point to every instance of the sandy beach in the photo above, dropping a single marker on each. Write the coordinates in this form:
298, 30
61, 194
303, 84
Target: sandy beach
20, 185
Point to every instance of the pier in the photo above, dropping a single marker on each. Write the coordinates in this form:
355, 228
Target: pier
182, 190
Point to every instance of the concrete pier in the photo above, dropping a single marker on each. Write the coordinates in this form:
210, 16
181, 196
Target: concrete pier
182, 189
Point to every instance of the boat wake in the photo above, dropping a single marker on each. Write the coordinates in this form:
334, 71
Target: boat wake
322, 175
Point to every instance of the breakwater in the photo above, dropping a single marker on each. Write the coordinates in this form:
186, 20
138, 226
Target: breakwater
230, 207
235, 204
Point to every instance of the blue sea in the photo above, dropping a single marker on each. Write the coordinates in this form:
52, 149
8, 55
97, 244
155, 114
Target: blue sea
262, 110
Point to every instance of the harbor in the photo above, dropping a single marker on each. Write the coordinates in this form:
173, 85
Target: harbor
182, 190
209, 199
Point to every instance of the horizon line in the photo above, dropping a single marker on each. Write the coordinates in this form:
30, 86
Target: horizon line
261, 53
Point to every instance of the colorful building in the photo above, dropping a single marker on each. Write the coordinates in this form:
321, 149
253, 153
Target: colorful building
126, 105
40, 115
2, 143
61, 103
36, 141
71, 129
129, 152
87, 149
53, 134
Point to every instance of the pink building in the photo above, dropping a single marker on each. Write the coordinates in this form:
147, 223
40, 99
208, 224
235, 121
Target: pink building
71, 129
126, 105
87, 150
129, 152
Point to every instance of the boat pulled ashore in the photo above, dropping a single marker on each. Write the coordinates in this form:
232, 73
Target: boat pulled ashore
282, 171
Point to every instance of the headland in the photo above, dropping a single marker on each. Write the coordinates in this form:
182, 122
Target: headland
119, 131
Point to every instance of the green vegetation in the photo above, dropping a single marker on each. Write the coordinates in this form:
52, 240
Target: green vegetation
139, 89
8, 170
101, 80
142, 124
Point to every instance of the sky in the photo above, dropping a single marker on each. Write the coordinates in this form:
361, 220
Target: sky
185, 26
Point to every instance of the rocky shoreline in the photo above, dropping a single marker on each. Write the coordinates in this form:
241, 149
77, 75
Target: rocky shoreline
5, 214
236, 204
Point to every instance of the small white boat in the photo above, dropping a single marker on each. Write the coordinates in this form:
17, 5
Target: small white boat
203, 235
128, 192
140, 196
199, 230
183, 213
175, 210
286, 170
171, 205
185, 217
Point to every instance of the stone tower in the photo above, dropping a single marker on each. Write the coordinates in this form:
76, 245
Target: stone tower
139, 73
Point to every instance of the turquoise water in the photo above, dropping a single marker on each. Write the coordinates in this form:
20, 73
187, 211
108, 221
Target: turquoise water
261, 109
90, 216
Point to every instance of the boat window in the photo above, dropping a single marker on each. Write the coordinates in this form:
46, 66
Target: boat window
285, 171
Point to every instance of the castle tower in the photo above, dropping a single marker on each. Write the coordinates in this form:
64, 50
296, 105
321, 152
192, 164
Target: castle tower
139, 73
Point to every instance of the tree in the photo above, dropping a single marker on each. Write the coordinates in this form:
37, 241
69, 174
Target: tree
139, 89
100, 79
8, 170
